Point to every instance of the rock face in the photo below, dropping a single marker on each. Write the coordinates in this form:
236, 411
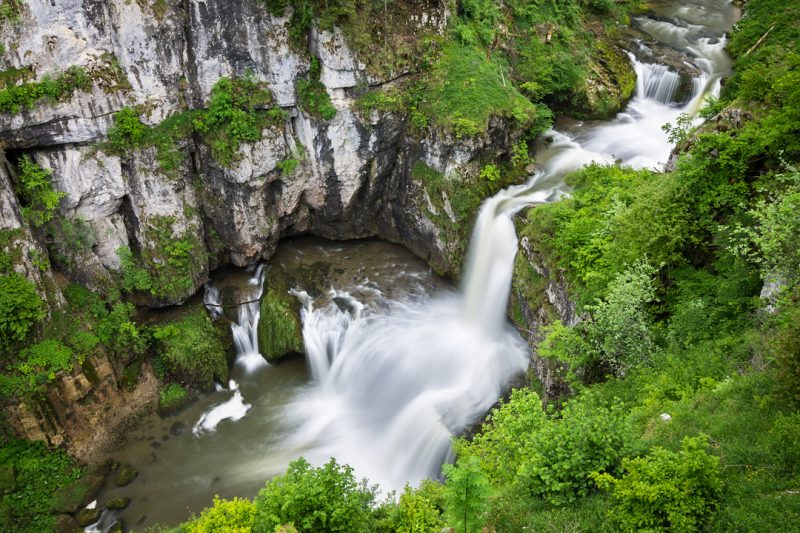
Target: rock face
353, 178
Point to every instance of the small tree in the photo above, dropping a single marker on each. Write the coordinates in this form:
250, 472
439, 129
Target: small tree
466, 492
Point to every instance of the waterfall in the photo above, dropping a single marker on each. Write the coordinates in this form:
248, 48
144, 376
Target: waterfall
211, 301
245, 329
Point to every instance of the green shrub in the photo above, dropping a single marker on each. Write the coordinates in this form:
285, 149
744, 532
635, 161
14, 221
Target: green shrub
420, 510
490, 172
119, 333
312, 96
15, 98
41, 362
20, 308
39, 473
465, 493
677, 491
192, 349
315, 499
550, 455
784, 442
39, 200
234, 516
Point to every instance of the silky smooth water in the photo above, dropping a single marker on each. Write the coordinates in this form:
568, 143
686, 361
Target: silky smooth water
398, 362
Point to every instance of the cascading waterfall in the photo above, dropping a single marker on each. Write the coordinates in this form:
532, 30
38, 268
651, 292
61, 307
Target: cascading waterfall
245, 329
394, 378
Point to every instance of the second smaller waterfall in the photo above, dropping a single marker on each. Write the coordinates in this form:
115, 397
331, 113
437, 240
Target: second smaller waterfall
245, 329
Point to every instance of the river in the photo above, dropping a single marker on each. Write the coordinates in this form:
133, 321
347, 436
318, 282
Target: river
398, 360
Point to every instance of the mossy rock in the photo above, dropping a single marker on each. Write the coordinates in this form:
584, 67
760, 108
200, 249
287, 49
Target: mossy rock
118, 503
79, 494
117, 527
8, 479
279, 329
172, 398
84, 517
66, 524
608, 86
126, 475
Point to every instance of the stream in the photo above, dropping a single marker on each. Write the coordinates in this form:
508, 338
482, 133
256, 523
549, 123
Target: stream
398, 361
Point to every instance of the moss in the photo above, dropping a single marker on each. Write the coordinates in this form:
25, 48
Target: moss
279, 328
8, 479
72, 497
118, 503
126, 476
172, 398
84, 517
608, 86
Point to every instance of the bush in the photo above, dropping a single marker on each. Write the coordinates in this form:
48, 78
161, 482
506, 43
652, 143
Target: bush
550, 455
39, 199
666, 490
234, 516
120, 334
20, 309
192, 349
38, 474
315, 499
41, 362
465, 492
312, 96
420, 510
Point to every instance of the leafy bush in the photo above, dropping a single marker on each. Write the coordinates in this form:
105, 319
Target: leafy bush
550, 455
40, 363
192, 349
420, 510
465, 493
678, 491
20, 308
315, 499
235, 516
119, 333
38, 473
39, 199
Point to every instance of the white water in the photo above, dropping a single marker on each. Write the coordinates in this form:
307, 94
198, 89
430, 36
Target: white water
396, 380
245, 329
234, 409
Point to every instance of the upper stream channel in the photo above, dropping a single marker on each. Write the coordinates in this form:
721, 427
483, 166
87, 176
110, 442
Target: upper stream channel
398, 361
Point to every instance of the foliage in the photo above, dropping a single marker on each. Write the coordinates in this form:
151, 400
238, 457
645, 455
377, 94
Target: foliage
279, 328
420, 510
20, 308
120, 334
171, 397
490, 172
465, 493
39, 363
327, 498
39, 472
237, 113
15, 98
166, 267
235, 516
193, 349
312, 96
666, 490
550, 455
39, 199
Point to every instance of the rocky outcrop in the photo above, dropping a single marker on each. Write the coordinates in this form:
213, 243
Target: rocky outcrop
353, 173
540, 296
76, 411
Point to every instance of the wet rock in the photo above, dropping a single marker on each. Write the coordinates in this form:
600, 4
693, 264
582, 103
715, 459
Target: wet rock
86, 516
177, 428
118, 503
117, 527
126, 475
66, 524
